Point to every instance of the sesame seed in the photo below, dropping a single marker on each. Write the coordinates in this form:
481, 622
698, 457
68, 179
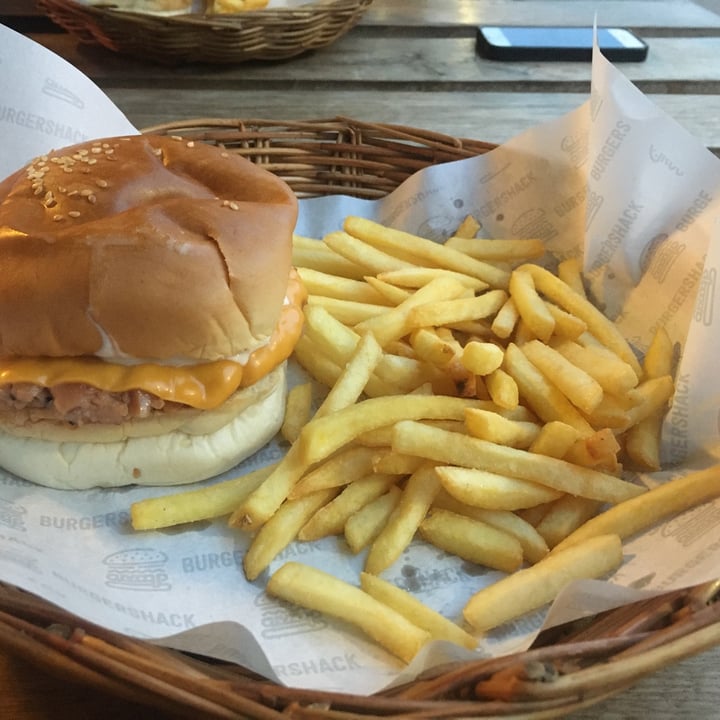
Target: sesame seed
72, 193
175, 137
92, 199
96, 150
38, 190
86, 192
91, 161
74, 214
190, 144
101, 183
224, 154
234, 206
67, 169
57, 218
157, 151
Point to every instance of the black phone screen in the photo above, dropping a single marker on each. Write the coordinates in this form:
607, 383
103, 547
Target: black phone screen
557, 43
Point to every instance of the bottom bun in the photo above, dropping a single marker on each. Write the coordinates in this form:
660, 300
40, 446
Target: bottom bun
171, 458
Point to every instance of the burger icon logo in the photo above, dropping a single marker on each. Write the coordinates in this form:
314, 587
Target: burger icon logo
12, 515
137, 569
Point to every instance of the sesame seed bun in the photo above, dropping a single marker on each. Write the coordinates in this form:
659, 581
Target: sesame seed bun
142, 247
134, 252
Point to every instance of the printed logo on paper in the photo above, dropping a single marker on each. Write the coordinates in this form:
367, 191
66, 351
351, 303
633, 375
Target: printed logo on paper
658, 157
534, 223
594, 203
576, 147
141, 569
572, 203
280, 619
693, 524
706, 297
12, 515
56, 90
659, 256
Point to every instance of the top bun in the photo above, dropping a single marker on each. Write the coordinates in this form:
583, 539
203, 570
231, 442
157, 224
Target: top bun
142, 247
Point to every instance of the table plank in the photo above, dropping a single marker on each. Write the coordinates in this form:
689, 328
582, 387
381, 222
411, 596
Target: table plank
685, 690
647, 14
494, 117
638, 14
359, 60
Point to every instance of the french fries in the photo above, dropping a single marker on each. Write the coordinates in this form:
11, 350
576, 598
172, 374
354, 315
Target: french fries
472, 540
476, 401
203, 503
297, 411
268, 497
329, 433
317, 590
362, 527
331, 518
427, 251
463, 451
439, 627
281, 529
484, 489
533, 587
663, 501
402, 525
643, 440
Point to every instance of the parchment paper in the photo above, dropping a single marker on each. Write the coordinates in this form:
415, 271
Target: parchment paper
616, 181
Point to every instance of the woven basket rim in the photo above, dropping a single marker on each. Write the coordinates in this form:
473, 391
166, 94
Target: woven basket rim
574, 672
266, 34
569, 668
356, 157
263, 15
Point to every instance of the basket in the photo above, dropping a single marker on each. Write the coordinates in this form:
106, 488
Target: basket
273, 34
568, 668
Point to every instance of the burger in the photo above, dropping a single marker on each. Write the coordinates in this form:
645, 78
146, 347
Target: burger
148, 306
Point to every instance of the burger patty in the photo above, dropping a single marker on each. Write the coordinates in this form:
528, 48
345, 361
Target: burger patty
76, 404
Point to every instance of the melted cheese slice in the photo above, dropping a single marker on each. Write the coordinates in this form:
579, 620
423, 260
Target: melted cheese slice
204, 386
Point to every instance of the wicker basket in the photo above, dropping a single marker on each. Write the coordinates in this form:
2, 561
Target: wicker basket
272, 34
568, 668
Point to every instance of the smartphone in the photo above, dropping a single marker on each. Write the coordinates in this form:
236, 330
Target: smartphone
515, 42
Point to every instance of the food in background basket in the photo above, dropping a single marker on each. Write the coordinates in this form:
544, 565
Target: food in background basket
147, 308
181, 7
234, 6
152, 7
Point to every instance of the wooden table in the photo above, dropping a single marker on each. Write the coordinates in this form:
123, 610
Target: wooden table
413, 63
